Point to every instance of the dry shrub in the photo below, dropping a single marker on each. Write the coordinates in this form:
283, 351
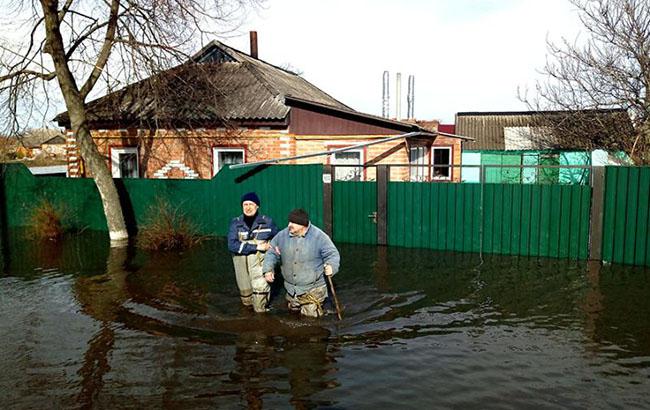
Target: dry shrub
45, 222
167, 228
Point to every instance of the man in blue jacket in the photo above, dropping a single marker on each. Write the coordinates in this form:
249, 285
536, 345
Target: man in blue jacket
306, 254
248, 240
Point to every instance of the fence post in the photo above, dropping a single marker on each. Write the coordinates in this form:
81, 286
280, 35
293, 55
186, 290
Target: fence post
328, 173
596, 215
383, 175
4, 225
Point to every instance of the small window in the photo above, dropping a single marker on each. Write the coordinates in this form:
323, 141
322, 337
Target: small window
348, 173
441, 156
419, 155
124, 162
226, 156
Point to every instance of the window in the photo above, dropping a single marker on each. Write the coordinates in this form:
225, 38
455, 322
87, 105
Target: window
441, 156
226, 156
349, 173
124, 162
419, 155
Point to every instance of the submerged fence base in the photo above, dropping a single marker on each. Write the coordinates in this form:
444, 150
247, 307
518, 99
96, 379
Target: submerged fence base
608, 219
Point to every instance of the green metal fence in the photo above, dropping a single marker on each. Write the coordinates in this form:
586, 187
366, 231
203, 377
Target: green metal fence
515, 219
626, 220
529, 220
354, 206
209, 204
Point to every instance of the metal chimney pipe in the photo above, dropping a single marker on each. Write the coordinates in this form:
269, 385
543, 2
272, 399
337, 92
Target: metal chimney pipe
410, 97
398, 96
385, 96
253, 35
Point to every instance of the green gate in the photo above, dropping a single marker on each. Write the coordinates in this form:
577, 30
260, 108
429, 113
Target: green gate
354, 206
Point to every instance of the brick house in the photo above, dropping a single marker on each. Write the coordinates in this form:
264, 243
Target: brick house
224, 107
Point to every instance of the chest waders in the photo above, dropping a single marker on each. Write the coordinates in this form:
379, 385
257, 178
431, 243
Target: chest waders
309, 303
253, 288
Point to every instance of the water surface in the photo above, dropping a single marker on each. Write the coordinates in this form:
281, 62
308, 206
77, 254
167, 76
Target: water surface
85, 326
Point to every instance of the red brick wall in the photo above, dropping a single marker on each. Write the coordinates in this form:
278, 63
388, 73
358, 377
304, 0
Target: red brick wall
188, 154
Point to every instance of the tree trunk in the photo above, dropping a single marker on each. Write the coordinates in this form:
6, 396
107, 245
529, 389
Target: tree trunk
104, 181
74, 102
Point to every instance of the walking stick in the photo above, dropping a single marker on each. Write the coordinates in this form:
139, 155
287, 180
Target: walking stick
336, 300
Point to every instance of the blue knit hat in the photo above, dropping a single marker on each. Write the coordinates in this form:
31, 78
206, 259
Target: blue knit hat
250, 196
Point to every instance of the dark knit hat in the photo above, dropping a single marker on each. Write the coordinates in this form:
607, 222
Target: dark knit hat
250, 196
299, 216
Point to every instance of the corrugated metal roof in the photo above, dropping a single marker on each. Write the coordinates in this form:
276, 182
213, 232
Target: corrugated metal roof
207, 88
487, 128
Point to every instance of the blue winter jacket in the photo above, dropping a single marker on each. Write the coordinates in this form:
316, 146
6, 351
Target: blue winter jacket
262, 229
303, 259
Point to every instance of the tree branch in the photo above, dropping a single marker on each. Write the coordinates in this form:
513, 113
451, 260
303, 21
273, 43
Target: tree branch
105, 51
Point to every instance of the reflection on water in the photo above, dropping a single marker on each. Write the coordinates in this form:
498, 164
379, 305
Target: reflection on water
87, 326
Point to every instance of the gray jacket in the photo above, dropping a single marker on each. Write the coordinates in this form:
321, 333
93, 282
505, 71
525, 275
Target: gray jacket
303, 259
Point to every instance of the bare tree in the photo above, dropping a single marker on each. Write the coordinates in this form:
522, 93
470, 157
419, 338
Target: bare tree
99, 46
599, 78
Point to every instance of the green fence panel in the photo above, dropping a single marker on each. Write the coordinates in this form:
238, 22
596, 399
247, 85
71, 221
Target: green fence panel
642, 222
626, 220
354, 203
208, 204
524, 219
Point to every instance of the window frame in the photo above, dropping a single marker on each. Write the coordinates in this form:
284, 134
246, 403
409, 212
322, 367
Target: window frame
331, 159
424, 170
115, 152
216, 149
450, 149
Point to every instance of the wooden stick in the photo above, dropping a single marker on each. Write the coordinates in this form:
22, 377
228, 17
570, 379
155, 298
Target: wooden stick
336, 300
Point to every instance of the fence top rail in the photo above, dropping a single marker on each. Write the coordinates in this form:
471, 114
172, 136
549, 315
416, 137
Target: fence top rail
465, 166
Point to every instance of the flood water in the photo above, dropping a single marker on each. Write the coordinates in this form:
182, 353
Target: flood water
82, 326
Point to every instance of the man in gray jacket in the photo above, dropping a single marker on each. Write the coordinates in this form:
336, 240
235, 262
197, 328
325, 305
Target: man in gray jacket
306, 254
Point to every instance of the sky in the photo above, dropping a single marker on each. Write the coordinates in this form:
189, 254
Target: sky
466, 55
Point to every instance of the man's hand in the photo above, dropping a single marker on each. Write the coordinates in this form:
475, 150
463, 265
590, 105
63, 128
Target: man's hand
269, 276
263, 246
328, 270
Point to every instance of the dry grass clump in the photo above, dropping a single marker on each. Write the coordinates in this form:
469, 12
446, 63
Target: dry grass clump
167, 228
45, 222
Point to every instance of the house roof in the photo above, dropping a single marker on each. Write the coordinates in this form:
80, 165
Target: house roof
490, 129
219, 83
37, 137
